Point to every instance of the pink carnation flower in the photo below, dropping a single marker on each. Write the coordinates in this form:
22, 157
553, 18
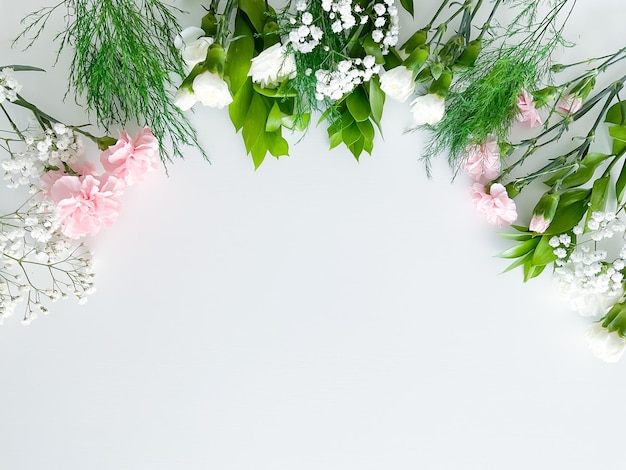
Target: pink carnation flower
527, 111
497, 207
85, 203
132, 159
483, 160
569, 104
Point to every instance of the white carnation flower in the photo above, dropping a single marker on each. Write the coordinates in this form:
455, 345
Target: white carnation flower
398, 83
605, 345
428, 109
185, 99
272, 66
210, 89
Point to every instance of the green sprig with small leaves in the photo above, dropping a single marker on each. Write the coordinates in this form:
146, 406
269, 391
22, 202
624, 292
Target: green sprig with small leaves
124, 63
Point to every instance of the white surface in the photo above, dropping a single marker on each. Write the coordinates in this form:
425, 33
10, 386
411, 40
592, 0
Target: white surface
315, 314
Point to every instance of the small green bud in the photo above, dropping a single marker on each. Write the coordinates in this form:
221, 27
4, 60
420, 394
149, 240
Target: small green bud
417, 58
215, 59
209, 24
513, 189
105, 142
270, 34
544, 211
417, 39
543, 96
470, 53
442, 84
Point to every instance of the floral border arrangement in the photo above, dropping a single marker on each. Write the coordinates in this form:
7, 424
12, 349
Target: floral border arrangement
471, 81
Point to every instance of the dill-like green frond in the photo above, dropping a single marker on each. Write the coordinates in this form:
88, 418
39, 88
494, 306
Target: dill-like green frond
123, 64
487, 106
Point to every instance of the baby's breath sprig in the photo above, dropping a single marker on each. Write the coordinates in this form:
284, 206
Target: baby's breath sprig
123, 63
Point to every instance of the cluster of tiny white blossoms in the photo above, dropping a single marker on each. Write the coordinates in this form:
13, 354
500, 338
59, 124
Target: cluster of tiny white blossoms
305, 36
9, 86
343, 16
341, 77
47, 150
37, 264
349, 74
584, 275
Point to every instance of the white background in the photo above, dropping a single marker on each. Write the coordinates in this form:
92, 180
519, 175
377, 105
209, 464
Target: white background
317, 313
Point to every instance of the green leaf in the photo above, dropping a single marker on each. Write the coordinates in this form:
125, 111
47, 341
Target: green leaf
619, 138
258, 151
366, 129
407, 5
587, 168
358, 104
23, 68
335, 139
255, 10
544, 253
368, 145
295, 123
254, 124
531, 270
276, 144
372, 48
571, 209
279, 92
518, 262
521, 249
357, 147
238, 109
519, 237
239, 54
617, 114
620, 185
274, 119
377, 101
351, 134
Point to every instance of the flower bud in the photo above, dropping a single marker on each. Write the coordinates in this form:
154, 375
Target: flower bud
209, 24
417, 58
441, 84
271, 35
543, 96
215, 59
544, 212
417, 39
470, 53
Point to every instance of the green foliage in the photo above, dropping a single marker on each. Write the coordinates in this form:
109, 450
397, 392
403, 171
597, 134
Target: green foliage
260, 113
532, 252
359, 112
124, 63
486, 106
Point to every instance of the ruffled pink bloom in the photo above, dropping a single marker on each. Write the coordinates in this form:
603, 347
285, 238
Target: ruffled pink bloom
527, 111
483, 160
539, 224
132, 159
496, 205
569, 104
48, 179
85, 203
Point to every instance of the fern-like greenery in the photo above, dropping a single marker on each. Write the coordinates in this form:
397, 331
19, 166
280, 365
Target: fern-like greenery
482, 102
124, 64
